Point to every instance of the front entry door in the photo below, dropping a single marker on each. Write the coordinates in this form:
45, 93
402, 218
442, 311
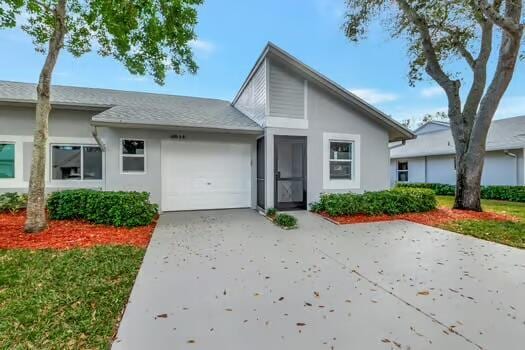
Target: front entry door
290, 172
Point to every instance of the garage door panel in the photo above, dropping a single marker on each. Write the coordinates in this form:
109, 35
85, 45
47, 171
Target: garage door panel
205, 175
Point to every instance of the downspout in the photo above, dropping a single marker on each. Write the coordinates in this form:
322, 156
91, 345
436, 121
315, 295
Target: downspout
94, 132
515, 156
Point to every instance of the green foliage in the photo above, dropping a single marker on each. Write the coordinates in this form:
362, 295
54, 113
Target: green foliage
271, 212
146, 36
286, 220
439, 189
390, 202
506, 193
70, 299
12, 202
103, 207
68, 204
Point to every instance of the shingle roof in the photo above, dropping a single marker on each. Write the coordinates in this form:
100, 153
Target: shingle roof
138, 107
503, 134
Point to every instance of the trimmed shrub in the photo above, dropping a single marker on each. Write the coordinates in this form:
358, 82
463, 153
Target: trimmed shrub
285, 220
506, 193
271, 212
68, 204
12, 202
390, 202
118, 209
439, 189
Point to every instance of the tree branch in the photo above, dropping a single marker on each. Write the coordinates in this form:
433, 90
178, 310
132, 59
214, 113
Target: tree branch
433, 67
504, 22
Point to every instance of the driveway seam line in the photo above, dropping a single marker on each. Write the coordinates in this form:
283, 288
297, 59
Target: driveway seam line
376, 284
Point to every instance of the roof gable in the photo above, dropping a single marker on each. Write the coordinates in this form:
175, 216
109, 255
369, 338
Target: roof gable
396, 130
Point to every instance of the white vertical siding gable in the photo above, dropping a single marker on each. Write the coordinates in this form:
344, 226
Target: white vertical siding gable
252, 100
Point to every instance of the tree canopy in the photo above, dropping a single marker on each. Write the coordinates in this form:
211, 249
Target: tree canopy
148, 37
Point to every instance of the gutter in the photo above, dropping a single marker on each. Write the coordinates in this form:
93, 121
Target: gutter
515, 156
403, 142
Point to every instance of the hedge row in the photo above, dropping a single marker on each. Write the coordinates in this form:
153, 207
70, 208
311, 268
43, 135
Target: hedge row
100, 207
506, 193
12, 202
390, 202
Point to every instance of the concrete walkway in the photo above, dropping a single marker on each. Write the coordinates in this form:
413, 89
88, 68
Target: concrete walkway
232, 280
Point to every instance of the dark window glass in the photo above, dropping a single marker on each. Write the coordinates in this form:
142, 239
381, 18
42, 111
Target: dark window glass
402, 166
341, 150
132, 147
133, 164
7, 160
402, 176
92, 163
66, 163
340, 170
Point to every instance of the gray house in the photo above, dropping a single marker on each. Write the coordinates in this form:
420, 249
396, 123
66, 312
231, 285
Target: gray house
289, 135
430, 157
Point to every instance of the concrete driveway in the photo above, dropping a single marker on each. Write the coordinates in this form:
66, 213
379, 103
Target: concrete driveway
232, 280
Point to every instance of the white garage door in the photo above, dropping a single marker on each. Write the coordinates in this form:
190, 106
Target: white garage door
205, 175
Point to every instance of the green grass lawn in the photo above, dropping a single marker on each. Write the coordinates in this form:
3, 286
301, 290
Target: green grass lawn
505, 232
71, 299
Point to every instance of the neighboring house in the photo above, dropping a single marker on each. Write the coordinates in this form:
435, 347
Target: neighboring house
431, 156
289, 134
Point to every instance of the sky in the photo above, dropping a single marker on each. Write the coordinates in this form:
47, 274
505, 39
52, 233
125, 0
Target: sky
232, 34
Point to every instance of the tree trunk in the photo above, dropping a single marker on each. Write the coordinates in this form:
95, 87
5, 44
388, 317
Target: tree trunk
468, 182
36, 205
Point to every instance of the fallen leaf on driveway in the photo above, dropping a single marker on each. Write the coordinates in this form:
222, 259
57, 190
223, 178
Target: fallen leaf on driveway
423, 292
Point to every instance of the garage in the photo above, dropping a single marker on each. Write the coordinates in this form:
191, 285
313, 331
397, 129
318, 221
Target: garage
200, 175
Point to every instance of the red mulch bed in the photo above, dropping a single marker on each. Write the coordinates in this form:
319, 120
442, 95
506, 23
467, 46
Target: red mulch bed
67, 234
432, 218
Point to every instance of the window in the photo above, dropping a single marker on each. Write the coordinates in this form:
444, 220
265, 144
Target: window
76, 162
402, 171
133, 154
341, 160
7, 161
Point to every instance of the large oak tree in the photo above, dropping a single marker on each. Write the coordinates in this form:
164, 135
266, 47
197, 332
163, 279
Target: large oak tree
146, 36
439, 33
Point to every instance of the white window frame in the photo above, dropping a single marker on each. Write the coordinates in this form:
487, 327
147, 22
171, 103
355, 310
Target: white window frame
342, 184
122, 155
401, 171
14, 160
81, 145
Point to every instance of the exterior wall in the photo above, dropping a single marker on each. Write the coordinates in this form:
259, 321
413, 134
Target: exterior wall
73, 127
416, 169
150, 180
65, 127
499, 169
252, 100
326, 113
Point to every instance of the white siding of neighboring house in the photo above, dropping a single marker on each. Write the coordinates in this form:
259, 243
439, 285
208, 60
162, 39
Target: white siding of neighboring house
430, 127
499, 169
252, 100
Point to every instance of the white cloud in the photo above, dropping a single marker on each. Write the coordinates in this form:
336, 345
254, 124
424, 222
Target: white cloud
203, 46
432, 92
374, 96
